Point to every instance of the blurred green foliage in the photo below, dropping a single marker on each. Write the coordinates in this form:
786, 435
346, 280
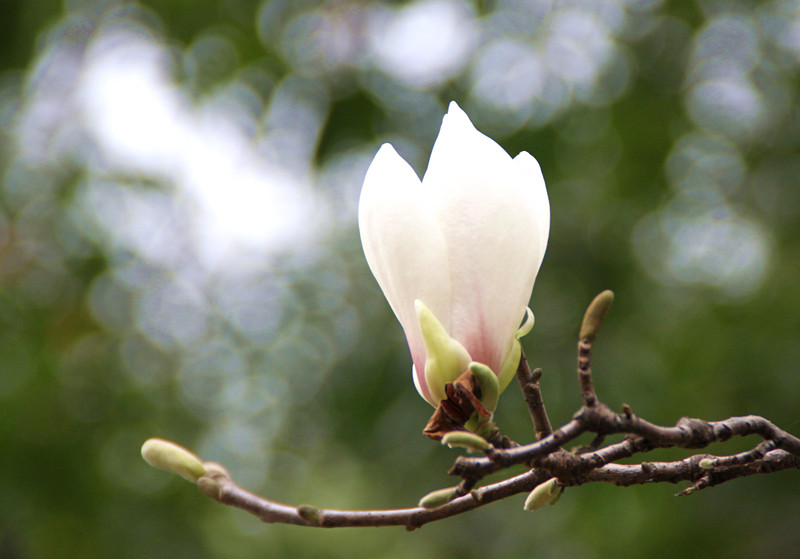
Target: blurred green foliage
179, 258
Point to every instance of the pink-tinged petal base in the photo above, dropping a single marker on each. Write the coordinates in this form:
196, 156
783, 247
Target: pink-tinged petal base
494, 216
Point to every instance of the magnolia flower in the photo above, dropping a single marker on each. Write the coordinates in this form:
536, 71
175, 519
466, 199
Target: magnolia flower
457, 253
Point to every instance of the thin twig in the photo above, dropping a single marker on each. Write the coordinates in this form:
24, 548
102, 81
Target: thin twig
688, 469
592, 320
228, 493
585, 372
532, 393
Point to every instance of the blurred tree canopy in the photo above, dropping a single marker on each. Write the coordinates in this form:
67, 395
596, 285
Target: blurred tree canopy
179, 258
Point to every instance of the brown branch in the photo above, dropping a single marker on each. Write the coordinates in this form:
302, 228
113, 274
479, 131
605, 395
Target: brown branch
585, 372
532, 393
689, 469
600, 419
592, 320
550, 461
544, 459
221, 488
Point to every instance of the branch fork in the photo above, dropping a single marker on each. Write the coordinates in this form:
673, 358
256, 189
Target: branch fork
550, 466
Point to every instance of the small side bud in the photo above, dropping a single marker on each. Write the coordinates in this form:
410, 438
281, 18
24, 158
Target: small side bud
211, 486
706, 463
595, 314
490, 386
467, 440
438, 498
546, 493
171, 457
215, 476
311, 514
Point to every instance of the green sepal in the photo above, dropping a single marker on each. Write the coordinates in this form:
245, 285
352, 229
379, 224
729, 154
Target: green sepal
509, 367
445, 358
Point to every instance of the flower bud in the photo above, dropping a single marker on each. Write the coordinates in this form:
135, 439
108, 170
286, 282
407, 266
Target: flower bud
467, 440
465, 243
171, 457
595, 314
311, 514
706, 463
438, 498
546, 493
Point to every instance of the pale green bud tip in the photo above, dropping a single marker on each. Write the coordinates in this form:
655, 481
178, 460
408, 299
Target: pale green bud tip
595, 314
465, 439
438, 498
706, 463
171, 457
543, 494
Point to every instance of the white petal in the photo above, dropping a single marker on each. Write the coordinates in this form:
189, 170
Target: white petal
403, 244
461, 153
529, 168
491, 212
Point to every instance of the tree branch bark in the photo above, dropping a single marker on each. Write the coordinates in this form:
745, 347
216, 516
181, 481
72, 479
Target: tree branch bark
544, 459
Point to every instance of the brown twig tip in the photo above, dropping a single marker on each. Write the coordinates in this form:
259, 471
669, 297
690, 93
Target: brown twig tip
595, 314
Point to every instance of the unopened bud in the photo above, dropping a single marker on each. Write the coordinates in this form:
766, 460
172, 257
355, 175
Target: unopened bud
171, 457
706, 463
467, 440
311, 514
438, 498
546, 493
595, 314
490, 386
